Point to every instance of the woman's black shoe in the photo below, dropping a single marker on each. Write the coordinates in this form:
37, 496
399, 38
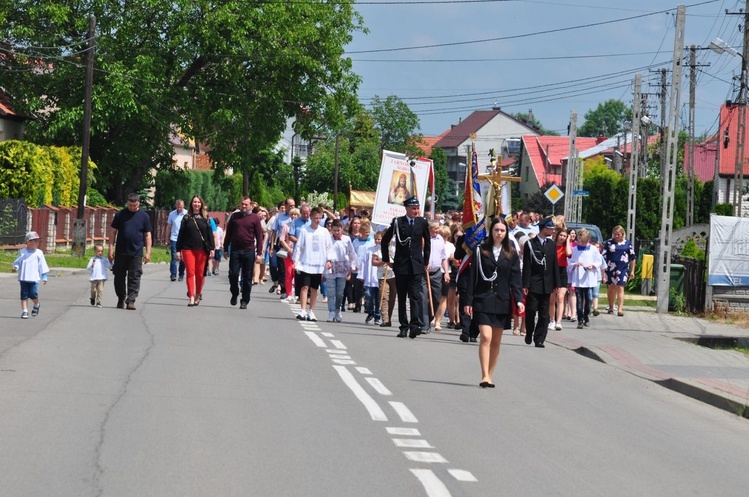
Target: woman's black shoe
272, 288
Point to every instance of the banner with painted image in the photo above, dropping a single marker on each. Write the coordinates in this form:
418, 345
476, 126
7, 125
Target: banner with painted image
729, 251
401, 177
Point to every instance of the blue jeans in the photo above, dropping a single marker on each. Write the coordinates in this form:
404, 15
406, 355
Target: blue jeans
584, 299
372, 301
324, 288
336, 297
173, 264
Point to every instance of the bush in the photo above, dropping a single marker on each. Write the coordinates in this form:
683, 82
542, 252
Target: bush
692, 250
723, 209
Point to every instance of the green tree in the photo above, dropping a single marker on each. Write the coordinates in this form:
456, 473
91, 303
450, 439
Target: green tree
439, 158
396, 124
226, 72
526, 118
606, 206
605, 120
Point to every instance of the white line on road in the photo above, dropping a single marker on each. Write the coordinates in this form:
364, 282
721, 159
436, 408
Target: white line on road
412, 443
405, 414
348, 362
403, 432
364, 370
429, 457
336, 351
338, 344
378, 386
375, 412
462, 475
433, 485
327, 335
315, 339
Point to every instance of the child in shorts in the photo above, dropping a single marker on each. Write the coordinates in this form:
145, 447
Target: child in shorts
98, 266
31, 267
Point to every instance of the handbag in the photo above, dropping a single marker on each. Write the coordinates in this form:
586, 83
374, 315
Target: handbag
206, 247
282, 253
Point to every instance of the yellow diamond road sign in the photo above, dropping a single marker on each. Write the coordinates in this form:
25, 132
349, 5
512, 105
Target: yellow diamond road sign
554, 194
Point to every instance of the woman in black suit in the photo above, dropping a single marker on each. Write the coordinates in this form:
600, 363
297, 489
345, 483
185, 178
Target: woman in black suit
494, 280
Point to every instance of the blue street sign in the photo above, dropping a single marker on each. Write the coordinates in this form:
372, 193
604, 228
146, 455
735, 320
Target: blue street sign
583, 193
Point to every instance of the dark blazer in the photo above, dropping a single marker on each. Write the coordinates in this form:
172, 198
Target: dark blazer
494, 296
540, 278
410, 256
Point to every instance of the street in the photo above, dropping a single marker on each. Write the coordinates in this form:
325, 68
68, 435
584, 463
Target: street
215, 401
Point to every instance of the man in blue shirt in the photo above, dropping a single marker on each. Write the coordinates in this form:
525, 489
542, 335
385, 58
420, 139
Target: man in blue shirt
281, 219
173, 224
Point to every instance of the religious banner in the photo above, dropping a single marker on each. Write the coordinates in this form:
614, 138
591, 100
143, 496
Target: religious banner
401, 177
473, 208
729, 251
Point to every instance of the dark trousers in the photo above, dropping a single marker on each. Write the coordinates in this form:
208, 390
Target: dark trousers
584, 299
241, 261
127, 271
410, 285
274, 274
281, 265
174, 265
537, 303
436, 280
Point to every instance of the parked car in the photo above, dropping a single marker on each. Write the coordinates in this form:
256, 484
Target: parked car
595, 232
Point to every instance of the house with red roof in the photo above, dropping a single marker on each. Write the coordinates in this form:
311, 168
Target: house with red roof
705, 156
492, 129
427, 143
542, 159
727, 131
11, 122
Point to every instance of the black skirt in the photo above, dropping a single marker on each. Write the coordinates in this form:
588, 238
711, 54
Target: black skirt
563, 276
502, 321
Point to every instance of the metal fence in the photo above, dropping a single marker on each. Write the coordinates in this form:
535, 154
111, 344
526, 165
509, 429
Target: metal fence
14, 217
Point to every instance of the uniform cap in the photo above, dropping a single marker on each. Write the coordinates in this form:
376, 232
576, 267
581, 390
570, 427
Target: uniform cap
411, 202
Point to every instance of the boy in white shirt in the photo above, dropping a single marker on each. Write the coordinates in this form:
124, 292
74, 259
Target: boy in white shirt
585, 264
31, 267
341, 260
310, 260
98, 266
368, 275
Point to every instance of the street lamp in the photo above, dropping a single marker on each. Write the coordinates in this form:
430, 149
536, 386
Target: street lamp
719, 46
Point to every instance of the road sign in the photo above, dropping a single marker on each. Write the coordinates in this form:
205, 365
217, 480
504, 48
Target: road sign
582, 193
554, 194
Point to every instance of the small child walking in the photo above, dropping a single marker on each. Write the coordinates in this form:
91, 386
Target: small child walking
585, 266
31, 267
98, 266
368, 276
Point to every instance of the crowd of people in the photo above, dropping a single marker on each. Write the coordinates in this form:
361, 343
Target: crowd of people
529, 274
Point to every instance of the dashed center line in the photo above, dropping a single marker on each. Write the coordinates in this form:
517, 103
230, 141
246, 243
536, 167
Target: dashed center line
433, 485
378, 386
338, 344
405, 414
412, 443
364, 370
462, 475
315, 339
403, 432
375, 411
428, 457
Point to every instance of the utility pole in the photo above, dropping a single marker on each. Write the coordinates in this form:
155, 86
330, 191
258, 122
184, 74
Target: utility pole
669, 180
664, 126
634, 162
644, 139
79, 224
577, 215
739, 186
690, 147
569, 182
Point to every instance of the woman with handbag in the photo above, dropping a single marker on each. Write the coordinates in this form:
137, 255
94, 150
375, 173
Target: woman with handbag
494, 280
194, 247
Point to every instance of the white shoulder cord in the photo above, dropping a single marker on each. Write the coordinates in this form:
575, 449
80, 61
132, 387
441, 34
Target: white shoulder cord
398, 235
481, 269
542, 262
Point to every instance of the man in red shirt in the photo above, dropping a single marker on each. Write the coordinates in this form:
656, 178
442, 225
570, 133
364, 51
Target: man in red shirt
243, 242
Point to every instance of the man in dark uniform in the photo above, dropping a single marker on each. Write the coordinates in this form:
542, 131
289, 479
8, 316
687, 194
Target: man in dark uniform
540, 278
412, 250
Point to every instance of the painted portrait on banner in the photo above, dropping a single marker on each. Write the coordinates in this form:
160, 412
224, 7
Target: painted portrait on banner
401, 177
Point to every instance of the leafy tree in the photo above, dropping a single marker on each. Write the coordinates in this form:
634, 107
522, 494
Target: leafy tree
396, 124
441, 178
606, 206
605, 120
527, 118
226, 72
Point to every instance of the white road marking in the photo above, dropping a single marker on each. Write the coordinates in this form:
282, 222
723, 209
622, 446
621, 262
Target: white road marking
364, 370
338, 344
341, 357
315, 339
430, 457
433, 485
378, 386
375, 412
327, 335
309, 324
336, 351
403, 432
412, 443
405, 414
462, 475
348, 362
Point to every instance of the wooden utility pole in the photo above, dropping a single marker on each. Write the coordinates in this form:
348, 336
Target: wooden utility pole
669, 178
79, 225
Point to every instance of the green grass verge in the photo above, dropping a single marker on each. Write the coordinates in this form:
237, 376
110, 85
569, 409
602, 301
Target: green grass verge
64, 259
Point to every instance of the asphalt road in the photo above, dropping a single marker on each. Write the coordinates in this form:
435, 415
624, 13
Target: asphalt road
215, 401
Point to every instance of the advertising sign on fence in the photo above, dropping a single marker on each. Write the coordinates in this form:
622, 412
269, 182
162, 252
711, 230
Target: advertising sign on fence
729, 251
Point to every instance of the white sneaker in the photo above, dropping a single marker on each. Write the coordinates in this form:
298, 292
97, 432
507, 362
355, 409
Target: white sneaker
552, 325
559, 326
311, 316
289, 300
331, 316
302, 316
25, 315
338, 317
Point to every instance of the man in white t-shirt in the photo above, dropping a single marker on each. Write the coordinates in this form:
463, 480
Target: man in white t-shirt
310, 260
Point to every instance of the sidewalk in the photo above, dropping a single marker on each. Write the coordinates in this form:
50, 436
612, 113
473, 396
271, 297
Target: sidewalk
664, 349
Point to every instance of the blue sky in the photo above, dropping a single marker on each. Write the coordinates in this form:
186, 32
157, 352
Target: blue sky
548, 73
